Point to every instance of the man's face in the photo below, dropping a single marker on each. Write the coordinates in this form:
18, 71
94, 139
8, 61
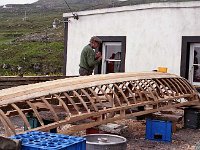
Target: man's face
96, 44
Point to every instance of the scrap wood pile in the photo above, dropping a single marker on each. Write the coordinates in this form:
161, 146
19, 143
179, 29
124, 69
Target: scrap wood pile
104, 98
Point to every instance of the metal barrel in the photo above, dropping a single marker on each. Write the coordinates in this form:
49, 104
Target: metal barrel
105, 142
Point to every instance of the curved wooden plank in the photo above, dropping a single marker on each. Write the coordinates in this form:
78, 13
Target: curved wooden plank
72, 102
50, 108
115, 95
63, 104
36, 112
91, 100
22, 115
7, 121
82, 101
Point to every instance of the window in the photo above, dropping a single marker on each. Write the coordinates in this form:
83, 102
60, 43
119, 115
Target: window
111, 57
113, 50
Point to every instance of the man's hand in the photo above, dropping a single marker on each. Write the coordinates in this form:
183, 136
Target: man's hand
100, 58
98, 55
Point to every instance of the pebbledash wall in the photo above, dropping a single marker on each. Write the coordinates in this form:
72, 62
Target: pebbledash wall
154, 34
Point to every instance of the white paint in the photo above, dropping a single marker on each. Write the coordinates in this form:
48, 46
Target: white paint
153, 31
5, 2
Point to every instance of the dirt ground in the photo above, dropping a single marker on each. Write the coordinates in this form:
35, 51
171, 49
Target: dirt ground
182, 139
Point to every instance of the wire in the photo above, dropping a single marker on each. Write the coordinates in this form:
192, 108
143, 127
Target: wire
74, 14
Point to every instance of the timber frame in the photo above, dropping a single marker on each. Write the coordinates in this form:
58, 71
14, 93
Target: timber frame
99, 99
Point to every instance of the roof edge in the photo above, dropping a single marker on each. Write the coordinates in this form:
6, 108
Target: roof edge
160, 5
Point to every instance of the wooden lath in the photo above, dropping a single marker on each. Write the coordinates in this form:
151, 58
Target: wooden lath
105, 97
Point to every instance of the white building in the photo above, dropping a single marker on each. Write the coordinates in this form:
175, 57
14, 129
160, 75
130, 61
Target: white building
139, 38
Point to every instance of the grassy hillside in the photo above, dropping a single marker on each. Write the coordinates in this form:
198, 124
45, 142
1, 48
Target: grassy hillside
31, 46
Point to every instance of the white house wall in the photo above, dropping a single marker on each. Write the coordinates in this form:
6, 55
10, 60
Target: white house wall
153, 33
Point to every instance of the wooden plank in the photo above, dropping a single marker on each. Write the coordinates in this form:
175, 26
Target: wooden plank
93, 124
36, 112
50, 108
115, 95
122, 93
91, 100
8, 132
72, 102
22, 116
63, 104
106, 95
41, 89
82, 101
130, 91
7, 121
97, 97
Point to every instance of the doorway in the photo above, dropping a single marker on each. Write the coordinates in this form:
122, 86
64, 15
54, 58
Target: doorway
113, 51
111, 57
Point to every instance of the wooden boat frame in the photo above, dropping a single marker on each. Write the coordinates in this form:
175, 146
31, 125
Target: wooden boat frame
88, 101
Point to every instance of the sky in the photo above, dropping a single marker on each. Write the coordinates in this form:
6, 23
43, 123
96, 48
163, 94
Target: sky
4, 2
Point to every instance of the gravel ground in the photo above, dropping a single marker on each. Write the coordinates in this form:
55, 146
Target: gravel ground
182, 139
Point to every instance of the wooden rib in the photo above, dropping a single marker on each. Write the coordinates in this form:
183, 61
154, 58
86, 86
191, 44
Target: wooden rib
182, 86
171, 83
173, 80
8, 132
36, 112
8, 122
157, 80
168, 86
153, 88
106, 95
187, 82
97, 97
22, 115
72, 102
81, 100
122, 93
138, 92
116, 109
91, 100
158, 88
186, 85
63, 104
149, 89
50, 108
116, 96
145, 93
134, 99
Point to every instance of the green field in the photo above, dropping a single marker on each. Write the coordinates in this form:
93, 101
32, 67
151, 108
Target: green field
34, 57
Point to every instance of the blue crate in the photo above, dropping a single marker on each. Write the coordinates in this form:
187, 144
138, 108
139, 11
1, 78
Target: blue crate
158, 130
36, 140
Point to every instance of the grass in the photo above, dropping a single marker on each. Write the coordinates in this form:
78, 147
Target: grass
33, 56
48, 56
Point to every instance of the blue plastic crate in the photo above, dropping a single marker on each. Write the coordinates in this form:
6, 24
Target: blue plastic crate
159, 130
36, 140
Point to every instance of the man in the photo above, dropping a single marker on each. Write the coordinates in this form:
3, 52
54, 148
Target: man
89, 59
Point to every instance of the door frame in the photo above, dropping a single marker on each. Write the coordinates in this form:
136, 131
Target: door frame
121, 39
185, 53
191, 64
104, 60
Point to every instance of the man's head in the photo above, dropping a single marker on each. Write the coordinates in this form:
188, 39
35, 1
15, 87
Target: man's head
95, 42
